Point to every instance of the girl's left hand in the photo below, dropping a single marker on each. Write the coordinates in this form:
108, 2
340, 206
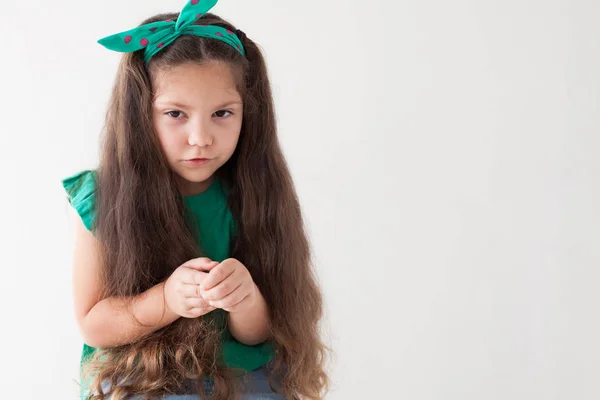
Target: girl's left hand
229, 286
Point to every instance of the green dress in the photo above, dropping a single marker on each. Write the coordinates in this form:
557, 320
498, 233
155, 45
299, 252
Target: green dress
216, 226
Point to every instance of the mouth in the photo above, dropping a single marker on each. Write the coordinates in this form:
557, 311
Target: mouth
196, 161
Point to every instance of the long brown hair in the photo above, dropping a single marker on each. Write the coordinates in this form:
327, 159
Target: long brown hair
142, 226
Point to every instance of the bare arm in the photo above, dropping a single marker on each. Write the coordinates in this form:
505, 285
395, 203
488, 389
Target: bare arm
109, 323
250, 323
106, 322
230, 286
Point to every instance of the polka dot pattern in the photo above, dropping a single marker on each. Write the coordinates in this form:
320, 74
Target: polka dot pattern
155, 36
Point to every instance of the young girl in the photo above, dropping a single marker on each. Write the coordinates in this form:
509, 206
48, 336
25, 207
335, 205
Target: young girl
192, 270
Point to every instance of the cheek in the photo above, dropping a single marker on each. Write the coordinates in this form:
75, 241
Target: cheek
169, 141
233, 136
229, 142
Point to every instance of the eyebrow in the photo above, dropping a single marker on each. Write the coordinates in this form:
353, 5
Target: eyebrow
183, 106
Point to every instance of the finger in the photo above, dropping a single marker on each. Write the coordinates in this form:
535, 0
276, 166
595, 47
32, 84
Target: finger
200, 264
198, 311
196, 302
191, 276
223, 289
190, 290
217, 275
236, 306
232, 299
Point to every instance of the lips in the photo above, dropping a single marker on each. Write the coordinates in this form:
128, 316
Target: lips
196, 162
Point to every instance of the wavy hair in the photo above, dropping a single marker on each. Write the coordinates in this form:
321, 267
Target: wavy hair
145, 235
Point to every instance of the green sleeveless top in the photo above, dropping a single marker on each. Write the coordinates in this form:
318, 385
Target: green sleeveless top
216, 227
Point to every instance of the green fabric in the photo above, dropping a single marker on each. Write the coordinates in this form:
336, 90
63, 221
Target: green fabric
155, 36
216, 227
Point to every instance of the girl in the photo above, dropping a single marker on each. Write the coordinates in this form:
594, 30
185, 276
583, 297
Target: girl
192, 270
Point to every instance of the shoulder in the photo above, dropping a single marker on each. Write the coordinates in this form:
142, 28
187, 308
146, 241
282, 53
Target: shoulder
80, 189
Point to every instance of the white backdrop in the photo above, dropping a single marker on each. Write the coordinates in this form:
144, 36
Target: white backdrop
445, 153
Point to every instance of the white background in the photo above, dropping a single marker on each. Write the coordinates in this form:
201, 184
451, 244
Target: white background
446, 156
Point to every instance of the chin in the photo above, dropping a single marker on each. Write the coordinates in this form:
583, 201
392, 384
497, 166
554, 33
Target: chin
196, 176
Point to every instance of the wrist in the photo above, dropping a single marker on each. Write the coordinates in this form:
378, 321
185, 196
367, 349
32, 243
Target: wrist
169, 313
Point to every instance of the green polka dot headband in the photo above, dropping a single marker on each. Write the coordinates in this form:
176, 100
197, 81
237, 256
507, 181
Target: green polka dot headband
155, 36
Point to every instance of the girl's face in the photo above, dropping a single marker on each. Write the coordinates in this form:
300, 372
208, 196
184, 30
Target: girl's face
197, 114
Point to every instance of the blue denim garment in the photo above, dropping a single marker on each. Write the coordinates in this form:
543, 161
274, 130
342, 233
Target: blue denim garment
255, 384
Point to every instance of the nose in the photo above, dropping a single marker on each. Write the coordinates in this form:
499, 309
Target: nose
199, 135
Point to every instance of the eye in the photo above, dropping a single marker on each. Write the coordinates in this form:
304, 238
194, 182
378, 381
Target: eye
222, 111
173, 114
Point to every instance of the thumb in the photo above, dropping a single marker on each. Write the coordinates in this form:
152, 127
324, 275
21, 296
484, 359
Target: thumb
201, 264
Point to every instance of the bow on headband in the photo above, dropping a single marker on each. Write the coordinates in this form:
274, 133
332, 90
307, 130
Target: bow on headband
156, 35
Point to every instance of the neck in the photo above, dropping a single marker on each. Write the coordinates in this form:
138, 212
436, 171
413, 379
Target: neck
187, 188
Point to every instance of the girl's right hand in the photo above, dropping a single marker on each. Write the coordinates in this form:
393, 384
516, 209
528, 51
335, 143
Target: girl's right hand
182, 288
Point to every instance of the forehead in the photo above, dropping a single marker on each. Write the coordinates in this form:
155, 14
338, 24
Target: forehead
193, 81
